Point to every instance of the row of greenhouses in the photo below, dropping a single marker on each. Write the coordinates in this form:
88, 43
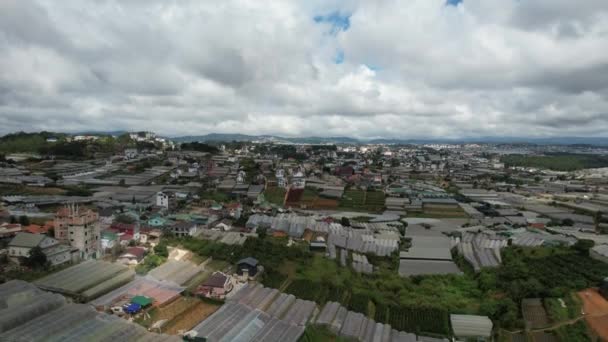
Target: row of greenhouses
30, 315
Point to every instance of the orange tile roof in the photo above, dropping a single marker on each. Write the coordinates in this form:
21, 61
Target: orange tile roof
36, 229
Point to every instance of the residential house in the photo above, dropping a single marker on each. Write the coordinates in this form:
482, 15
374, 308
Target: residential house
247, 267
9, 229
183, 228
132, 256
216, 286
21, 245
108, 239
126, 228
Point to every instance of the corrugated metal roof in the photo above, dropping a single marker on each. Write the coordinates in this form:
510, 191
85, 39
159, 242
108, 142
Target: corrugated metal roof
471, 326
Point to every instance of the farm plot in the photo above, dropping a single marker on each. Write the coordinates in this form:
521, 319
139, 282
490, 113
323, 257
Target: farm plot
363, 200
190, 317
534, 313
415, 319
183, 314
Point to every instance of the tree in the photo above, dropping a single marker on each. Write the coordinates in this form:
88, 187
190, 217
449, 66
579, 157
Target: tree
161, 250
132, 243
36, 258
124, 218
583, 246
345, 221
121, 182
262, 233
568, 222
403, 228
13, 219
24, 220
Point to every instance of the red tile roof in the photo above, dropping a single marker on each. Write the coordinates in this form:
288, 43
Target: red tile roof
36, 229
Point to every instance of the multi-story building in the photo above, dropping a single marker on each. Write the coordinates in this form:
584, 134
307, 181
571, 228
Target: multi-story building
79, 227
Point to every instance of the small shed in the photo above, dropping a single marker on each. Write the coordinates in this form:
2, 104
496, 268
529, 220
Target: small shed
142, 301
471, 326
248, 264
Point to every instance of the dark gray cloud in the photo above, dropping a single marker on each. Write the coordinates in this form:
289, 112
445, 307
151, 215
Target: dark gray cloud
413, 69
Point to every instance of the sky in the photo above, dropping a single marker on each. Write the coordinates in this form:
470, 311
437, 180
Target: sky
364, 69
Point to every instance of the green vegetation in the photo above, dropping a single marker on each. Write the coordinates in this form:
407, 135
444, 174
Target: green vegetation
25, 142
576, 332
535, 273
151, 261
37, 143
422, 303
200, 147
557, 161
559, 313
396, 299
274, 279
359, 200
216, 196
321, 334
275, 195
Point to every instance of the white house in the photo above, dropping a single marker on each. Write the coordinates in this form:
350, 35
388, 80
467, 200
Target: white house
183, 229
162, 200
21, 245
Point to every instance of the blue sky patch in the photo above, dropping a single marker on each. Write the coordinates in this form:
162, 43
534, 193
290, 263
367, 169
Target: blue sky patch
338, 21
339, 58
452, 2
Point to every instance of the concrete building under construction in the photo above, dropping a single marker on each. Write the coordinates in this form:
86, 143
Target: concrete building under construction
79, 227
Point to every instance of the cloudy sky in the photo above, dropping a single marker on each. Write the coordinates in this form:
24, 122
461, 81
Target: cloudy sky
369, 68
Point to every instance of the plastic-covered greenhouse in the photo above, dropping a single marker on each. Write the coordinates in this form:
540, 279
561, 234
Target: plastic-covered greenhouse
21, 301
176, 271
161, 291
87, 279
28, 314
256, 313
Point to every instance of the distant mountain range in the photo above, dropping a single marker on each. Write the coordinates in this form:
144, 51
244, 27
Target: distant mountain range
217, 137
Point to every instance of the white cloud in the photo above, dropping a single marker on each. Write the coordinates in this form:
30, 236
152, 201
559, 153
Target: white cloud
411, 69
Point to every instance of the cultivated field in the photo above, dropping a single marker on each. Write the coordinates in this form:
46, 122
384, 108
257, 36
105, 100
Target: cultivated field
190, 317
182, 314
534, 313
360, 200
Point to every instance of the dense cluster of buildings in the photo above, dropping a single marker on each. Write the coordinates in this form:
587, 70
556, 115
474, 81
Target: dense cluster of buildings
356, 204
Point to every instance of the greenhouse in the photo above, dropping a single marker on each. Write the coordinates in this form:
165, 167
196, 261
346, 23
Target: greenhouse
97, 276
21, 301
30, 315
257, 313
356, 326
161, 292
176, 271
